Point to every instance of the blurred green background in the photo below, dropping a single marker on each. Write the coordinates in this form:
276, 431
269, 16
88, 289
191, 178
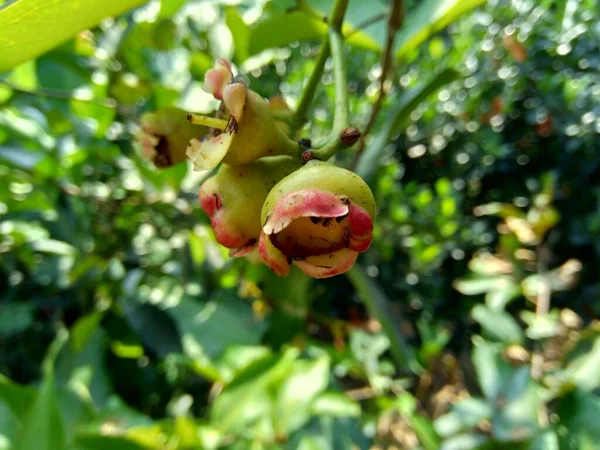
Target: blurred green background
471, 323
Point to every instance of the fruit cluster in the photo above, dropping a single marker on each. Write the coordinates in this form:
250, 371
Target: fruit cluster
263, 198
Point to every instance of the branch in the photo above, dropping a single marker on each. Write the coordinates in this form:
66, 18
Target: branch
395, 20
340, 118
335, 20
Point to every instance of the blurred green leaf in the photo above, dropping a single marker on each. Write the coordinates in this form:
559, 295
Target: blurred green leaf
91, 441
583, 360
42, 425
84, 328
208, 328
430, 17
169, 7
155, 327
279, 30
301, 386
335, 404
15, 317
578, 412
396, 118
490, 367
60, 21
18, 398
250, 397
498, 325
541, 326
481, 285
464, 415
546, 440
240, 32
9, 427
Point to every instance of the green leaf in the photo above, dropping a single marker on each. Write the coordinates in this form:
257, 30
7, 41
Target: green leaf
42, 426
240, 32
408, 101
481, 285
279, 30
209, 328
306, 380
379, 307
578, 412
169, 7
15, 317
430, 17
92, 441
370, 36
335, 404
491, 369
9, 427
18, 398
32, 27
547, 440
465, 414
155, 327
584, 359
425, 432
83, 329
248, 398
499, 325
21, 158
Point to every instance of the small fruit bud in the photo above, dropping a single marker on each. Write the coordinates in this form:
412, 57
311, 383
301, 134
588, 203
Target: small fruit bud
250, 132
349, 136
164, 135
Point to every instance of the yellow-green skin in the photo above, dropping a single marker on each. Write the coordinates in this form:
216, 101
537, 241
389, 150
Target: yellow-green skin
242, 191
258, 134
174, 131
322, 176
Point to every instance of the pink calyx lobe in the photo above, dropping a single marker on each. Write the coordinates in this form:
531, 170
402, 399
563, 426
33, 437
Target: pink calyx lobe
217, 78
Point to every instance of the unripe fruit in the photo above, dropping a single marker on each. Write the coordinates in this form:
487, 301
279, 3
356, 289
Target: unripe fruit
318, 218
233, 200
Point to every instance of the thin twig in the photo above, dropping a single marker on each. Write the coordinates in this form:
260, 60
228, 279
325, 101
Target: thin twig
395, 21
367, 23
542, 308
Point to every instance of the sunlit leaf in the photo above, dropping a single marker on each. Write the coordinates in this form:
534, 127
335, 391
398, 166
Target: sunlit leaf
32, 27
430, 17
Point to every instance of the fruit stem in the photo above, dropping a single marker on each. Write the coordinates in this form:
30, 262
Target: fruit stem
335, 20
340, 118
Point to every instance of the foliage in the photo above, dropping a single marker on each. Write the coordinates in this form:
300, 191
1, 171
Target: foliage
469, 324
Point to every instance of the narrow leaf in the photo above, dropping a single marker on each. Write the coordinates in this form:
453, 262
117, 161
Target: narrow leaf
241, 34
43, 427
